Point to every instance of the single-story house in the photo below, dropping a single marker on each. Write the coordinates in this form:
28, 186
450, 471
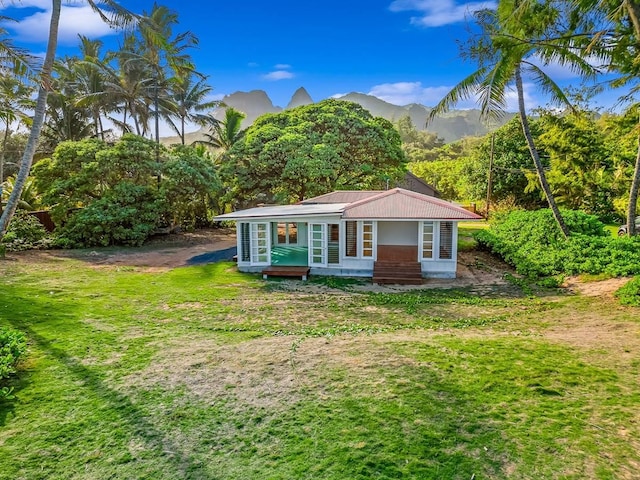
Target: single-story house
388, 235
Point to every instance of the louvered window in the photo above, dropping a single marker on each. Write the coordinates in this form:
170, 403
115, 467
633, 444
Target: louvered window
352, 239
446, 240
245, 242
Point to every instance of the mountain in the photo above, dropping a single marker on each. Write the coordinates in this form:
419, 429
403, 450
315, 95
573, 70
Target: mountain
253, 104
451, 126
300, 97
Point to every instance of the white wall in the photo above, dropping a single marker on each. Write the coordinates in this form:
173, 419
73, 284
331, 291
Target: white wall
398, 233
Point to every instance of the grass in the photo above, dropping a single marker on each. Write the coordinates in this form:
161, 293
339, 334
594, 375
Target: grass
204, 373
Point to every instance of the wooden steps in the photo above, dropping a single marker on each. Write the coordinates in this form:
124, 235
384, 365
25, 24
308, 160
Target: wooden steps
276, 271
398, 273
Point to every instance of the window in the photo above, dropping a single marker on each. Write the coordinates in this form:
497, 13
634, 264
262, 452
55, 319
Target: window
259, 243
427, 240
333, 248
446, 240
245, 243
287, 233
367, 239
351, 244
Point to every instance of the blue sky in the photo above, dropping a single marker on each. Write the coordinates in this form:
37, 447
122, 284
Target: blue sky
402, 51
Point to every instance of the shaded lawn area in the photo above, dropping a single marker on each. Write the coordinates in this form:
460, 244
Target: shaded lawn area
204, 373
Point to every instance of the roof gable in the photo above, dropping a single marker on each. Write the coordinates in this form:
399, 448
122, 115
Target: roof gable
341, 196
399, 203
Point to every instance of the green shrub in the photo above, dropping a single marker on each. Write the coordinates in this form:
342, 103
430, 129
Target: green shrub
13, 345
26, 233
127, 215
629, 294
534, 245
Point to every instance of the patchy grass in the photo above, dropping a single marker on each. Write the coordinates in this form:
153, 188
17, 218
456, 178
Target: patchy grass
204, 373
466, 230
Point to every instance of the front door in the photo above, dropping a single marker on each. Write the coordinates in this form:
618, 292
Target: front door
318, 244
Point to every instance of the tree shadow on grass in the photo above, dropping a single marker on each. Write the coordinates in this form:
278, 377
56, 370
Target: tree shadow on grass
32, 312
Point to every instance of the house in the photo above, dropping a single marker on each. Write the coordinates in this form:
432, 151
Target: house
394, 236
416, 184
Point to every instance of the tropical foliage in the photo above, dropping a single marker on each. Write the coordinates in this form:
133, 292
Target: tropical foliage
310, 150
532, 242
104, 194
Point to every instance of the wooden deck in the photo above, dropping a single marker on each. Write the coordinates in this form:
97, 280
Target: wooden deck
283, 271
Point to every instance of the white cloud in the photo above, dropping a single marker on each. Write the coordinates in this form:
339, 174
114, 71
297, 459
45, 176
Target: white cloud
278, 75
436, 13
282, 66
75, 18
404, 93
43, 4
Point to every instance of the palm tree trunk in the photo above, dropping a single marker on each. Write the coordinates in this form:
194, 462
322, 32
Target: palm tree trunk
633, 196
182, 129
4, 148
38, 119
536, 157
633, 10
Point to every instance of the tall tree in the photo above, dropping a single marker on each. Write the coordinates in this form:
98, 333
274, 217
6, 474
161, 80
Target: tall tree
311, 150
90, 83
190, 97
165, 52
15, 101
514, 39
110, 11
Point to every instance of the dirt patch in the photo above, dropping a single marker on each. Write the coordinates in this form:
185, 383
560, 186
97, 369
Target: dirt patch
162, 252
602, 288
270, 372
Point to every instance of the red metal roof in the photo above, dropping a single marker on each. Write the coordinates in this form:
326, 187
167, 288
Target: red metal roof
342, 196
399, 203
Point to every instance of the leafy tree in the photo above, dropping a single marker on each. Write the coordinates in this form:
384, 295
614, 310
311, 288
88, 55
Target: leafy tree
512, 38
191, 187
111, 12
581, 167
311, 150
419, 146
106, 194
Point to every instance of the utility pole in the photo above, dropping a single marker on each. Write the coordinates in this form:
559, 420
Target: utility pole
490, 179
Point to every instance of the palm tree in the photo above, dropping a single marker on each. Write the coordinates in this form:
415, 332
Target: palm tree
110, 11
624, 44
165, 54
15, 100
190, 97
65, 119
509, 44
89, 82
224, 133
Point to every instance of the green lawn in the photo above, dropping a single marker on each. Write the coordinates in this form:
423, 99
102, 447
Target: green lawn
204, 373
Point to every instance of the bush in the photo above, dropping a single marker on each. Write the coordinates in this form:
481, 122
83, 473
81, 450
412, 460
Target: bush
25, 233
534, 245
13, 345
629, 294
128, 215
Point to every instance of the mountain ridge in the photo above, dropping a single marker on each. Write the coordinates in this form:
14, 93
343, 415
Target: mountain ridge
452, 126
